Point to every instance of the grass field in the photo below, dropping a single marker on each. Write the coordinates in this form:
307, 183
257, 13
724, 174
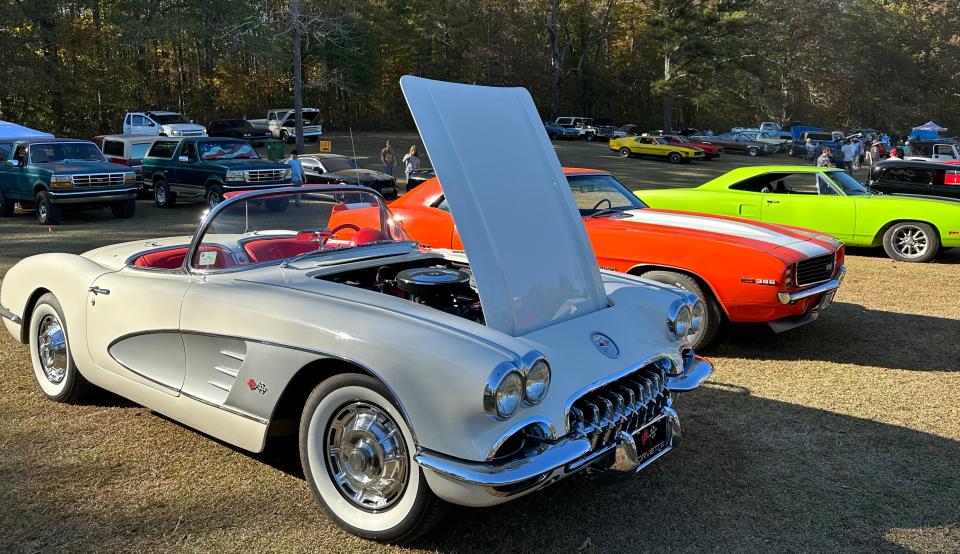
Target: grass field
840, 436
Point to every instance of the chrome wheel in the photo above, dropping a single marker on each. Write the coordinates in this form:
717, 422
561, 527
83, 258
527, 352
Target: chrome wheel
366, 456
160, 194
52, 348
910, 241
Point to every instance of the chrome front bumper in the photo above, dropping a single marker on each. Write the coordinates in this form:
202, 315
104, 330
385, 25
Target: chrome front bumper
93, 196
7, 314
833, 284
488, 483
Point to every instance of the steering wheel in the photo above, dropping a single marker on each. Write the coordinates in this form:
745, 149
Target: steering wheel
336, 230
607, 200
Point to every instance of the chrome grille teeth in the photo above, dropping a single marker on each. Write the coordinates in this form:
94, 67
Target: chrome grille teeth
623, 405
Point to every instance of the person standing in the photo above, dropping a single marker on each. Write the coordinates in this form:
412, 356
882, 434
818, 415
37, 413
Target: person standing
849, 153
388, 159
811, 151
296, 171
411, 162
824, 159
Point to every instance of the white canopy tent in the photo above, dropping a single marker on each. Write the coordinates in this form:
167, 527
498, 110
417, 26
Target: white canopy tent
12, 131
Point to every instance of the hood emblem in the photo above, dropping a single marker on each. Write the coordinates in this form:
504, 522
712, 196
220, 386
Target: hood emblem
605, 345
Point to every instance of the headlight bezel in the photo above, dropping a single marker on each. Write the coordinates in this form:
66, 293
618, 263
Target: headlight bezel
500, 378
491, 393
532, 360
235, 176
61, 181
680, 319
130, 177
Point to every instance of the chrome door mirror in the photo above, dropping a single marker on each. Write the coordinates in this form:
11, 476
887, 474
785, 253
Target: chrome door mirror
184, 159
13, 163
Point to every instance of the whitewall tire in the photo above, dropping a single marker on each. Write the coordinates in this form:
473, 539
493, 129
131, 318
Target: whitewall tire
53, 364
357, 454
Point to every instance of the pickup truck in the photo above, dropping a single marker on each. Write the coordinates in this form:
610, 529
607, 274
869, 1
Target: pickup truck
204, 169
932, 152
819, 139
164, 124
283, 124
49, 174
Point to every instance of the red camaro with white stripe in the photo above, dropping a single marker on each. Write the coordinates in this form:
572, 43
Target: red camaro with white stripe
744, 270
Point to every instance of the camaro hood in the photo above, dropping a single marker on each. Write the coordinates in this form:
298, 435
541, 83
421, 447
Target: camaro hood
532, 269
760, 236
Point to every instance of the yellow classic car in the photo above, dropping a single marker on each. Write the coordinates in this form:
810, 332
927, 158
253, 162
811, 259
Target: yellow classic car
654, 146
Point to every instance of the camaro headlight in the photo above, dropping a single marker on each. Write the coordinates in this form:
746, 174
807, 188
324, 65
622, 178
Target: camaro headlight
233, 175
679, 320
61, 181
130, 178
537, 382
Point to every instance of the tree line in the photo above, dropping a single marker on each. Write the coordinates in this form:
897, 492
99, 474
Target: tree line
74, 67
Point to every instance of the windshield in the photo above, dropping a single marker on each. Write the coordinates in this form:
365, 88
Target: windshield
601, 193
226, 150
53, 152
332, 165
287, 227
850, 186
169, 119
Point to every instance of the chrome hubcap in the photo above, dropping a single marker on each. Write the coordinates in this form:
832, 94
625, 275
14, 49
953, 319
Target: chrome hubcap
52, 348
910, 241
42, 210
161, 195
366, 456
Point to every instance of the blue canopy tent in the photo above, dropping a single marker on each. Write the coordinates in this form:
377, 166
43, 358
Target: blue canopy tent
12, 131
928, 130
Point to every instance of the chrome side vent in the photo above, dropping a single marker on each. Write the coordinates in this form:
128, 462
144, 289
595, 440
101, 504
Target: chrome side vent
228, 366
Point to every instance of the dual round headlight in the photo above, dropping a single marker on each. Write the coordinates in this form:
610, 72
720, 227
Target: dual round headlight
509, 386
685, 319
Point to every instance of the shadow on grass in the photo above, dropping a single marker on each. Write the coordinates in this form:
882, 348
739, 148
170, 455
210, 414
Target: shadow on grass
854, 334
751, 474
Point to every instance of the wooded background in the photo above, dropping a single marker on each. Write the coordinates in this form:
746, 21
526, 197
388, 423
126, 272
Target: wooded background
74, 67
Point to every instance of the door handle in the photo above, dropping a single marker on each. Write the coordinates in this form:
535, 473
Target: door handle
98, 290
773, 201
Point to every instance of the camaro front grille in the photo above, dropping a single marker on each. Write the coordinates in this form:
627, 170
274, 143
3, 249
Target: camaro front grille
814, 270
265, 175
626, 404
98, 180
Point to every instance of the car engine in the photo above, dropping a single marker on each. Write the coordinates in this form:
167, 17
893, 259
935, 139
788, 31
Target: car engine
441, 287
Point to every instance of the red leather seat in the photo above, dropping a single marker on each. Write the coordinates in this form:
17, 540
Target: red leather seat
367, 236
267, 250
172, 258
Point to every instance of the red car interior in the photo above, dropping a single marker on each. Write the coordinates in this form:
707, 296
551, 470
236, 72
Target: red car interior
172, 258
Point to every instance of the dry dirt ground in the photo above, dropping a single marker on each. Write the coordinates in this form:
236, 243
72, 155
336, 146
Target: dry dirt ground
840, 436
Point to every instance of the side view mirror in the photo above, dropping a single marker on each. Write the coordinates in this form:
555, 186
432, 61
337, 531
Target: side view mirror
13, 163
184, 159
151, 124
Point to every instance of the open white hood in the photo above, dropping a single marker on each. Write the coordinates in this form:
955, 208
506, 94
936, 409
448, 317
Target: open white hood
522, 233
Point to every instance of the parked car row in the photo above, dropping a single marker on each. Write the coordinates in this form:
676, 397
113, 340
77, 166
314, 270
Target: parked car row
447, 348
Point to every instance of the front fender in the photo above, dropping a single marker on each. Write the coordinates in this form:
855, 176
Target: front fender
67, 276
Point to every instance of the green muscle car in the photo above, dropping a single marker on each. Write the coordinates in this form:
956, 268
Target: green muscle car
910, 229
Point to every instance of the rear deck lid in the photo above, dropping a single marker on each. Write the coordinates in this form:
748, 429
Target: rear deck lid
522, 233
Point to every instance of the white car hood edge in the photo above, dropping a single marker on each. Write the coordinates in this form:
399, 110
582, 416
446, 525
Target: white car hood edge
533, 267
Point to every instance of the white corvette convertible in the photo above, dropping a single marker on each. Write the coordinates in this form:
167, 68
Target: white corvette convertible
413, 377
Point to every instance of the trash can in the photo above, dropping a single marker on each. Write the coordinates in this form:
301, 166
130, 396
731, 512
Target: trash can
274, 149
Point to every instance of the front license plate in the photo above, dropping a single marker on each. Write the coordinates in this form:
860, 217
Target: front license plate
651, 440
827, 299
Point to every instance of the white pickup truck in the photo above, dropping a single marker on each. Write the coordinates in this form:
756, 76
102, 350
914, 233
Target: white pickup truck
938, 152
282, 124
